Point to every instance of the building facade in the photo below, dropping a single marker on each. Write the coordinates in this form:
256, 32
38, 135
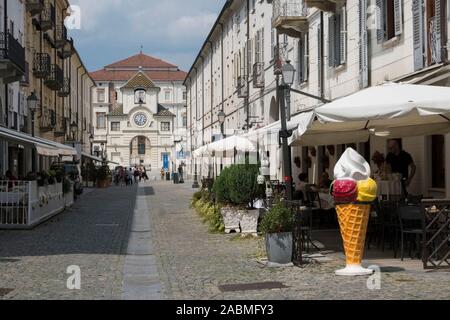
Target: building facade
338, 48
39, 57
140, 113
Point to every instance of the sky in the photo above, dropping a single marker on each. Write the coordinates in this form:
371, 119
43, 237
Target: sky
172, 30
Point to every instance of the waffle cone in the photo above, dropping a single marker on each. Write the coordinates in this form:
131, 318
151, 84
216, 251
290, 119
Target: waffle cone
353, 221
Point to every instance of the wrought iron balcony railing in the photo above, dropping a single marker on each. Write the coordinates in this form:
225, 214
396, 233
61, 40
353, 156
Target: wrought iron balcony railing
12, 51
48, 17
65, 90
41, 65
34, 7
290, 17
258, 75
60, 36
55, 78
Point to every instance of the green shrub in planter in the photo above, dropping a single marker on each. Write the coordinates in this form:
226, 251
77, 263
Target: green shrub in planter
238, 186
278, 219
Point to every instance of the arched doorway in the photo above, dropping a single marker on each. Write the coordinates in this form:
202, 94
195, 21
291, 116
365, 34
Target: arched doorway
274, 111
140, 153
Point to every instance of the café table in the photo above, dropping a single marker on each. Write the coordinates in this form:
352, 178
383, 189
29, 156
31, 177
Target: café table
389, 188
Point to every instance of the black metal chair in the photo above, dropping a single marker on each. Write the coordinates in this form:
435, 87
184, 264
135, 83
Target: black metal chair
412, 226
390, 224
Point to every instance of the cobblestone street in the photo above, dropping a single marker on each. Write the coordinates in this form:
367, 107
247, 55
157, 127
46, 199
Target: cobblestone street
99, 232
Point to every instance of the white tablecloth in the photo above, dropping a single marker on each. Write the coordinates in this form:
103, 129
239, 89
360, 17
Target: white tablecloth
389, 188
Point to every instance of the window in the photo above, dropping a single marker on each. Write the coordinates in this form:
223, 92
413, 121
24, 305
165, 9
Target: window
303, 58
184, 95
337, 38
115, 126
391, 19
184, 121
165, 126
101, 123
259, 46
438, 161
141, 146
139, 96
167, 95
101, 95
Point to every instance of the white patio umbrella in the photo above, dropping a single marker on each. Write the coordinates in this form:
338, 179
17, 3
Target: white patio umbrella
230, 144
390, 110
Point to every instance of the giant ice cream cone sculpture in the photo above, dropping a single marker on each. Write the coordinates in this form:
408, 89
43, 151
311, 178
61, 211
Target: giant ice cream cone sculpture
353, 193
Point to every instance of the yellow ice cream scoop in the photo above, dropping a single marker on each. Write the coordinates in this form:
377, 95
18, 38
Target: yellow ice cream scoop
367, 190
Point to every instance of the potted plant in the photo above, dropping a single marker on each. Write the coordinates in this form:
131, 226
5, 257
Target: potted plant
236, 190
42, 179
51, 177
103, 177
277, 225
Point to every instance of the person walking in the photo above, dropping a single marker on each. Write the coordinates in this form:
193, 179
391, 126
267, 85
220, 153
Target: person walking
130, 177
137, 175
163, 173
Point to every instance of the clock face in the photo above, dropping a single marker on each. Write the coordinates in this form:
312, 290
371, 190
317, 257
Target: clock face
140, 119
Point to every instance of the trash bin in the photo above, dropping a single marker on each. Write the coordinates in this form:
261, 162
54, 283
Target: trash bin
176, 178
168, 176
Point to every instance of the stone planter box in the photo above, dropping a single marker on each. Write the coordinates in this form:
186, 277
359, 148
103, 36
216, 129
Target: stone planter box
279, 247
231, 218
249, 221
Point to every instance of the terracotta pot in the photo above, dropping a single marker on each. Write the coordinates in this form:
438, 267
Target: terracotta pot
102, 184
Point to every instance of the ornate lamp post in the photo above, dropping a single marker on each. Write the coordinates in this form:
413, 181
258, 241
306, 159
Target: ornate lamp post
222, 117
195, 185
288, 74
32, 101
91, 141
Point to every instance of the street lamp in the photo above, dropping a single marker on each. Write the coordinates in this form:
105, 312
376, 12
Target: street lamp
73, 130
288, 74
32, 101
91, 141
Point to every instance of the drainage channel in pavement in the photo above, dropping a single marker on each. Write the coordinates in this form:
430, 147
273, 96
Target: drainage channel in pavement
259, 286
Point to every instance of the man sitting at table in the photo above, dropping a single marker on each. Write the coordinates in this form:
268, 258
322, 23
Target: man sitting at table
400, 161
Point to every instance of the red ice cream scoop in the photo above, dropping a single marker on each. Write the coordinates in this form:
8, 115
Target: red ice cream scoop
344, 191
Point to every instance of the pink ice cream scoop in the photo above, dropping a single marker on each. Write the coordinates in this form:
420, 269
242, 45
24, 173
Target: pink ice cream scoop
345, 191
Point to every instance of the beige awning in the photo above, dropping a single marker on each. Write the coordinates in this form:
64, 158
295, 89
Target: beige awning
43, 147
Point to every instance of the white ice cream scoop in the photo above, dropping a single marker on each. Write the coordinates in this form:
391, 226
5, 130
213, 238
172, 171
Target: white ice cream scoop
352, 166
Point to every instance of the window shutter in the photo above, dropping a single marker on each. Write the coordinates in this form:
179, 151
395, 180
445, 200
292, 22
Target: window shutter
398, 17
331, 41
319, 60
250, 55
305, 56
262, 45
343, 36
418, 25
257, 47
381, 28
438, 31
363, 45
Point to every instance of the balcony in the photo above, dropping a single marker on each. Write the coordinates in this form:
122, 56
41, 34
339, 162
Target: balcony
242, 87
60, 36
324, 5
41, 67
34, 7
47, 121
67, 50
290, 17
65, 90
61, 127
48, 17
55, 78
12, 58
258, 75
